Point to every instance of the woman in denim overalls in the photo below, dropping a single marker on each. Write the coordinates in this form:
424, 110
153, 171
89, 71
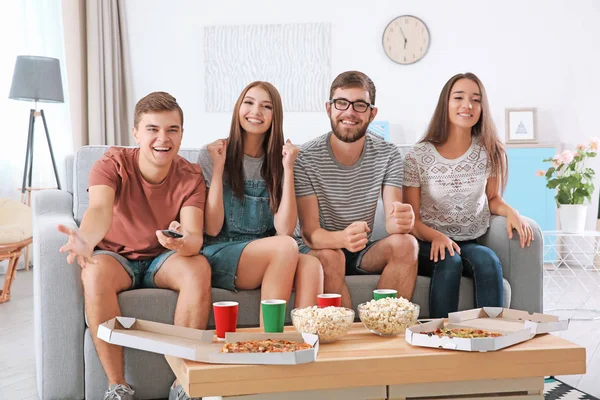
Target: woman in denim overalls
250, 211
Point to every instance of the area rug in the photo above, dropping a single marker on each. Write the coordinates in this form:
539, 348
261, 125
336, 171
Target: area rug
558, 390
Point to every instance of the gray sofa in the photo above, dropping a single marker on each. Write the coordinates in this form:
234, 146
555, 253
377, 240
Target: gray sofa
66, 361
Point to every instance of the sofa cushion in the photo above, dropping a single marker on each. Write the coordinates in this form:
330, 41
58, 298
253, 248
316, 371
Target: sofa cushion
15, 221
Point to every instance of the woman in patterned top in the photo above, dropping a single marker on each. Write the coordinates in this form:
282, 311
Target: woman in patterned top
453, 178
250, 211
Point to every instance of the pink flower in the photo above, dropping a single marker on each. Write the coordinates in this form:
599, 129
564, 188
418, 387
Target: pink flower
594, 143
565, 157
540, 172
581, 147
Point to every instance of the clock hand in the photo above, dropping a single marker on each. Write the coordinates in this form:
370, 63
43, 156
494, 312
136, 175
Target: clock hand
402, 32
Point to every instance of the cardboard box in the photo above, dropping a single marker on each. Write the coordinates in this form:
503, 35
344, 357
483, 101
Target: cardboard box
198, 345
538, 323
514, 325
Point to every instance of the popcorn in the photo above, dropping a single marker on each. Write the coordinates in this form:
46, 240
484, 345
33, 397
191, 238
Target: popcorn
388, 316
329, 323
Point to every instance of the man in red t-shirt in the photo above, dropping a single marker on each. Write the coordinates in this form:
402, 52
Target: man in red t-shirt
134, 193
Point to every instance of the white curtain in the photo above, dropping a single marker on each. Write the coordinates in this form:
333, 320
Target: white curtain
31, 27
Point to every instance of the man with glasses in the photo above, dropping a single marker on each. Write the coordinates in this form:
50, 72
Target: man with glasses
339, 178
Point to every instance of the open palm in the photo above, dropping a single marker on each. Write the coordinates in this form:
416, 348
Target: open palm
77, 247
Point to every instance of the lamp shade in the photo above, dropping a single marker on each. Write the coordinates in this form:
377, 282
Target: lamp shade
38, 79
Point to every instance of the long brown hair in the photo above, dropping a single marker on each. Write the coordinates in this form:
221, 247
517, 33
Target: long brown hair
484, 129
272, 167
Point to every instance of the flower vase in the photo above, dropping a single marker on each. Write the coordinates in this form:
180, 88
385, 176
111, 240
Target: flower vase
572, 217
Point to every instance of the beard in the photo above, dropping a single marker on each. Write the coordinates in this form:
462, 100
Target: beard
354, 134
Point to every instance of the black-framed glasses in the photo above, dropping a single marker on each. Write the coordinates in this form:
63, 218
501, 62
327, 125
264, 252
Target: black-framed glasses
358, 105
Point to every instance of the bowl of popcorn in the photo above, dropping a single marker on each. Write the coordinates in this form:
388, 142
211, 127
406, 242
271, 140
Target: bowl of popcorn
388, 316
329, 323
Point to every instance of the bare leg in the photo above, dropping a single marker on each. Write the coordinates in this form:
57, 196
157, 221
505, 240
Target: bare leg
101, 284
334, 270
269, 263
395, 257
308, 281
190, 276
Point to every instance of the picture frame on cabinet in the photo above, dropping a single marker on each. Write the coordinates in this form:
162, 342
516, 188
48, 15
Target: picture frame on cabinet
521, 125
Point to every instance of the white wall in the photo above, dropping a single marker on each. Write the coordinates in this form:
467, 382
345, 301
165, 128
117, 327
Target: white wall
528, 53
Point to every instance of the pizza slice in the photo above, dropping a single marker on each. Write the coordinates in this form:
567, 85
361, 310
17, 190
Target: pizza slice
264, 346
465, 333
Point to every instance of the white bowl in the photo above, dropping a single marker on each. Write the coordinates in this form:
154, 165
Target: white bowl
329, 323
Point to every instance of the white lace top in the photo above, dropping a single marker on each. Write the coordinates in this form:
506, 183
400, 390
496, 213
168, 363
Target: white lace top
453, 198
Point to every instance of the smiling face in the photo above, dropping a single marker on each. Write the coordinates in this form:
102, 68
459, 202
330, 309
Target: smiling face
464, 104
159, 136
349, 125
256, 111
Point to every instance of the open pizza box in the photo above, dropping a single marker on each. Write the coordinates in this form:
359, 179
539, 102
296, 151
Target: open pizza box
515, 327
199, 345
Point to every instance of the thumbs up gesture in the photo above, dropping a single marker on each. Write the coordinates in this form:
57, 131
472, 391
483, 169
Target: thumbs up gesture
400, 218
289, 153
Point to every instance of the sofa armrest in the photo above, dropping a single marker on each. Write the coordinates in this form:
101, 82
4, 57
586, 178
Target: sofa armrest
58, 301
522, 268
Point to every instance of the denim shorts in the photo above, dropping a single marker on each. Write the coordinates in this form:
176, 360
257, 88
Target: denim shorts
353, 260
141, 272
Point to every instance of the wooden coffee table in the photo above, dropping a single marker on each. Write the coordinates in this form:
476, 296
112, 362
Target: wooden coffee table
390, 368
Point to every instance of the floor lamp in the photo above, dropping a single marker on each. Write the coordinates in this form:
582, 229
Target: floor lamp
36, 79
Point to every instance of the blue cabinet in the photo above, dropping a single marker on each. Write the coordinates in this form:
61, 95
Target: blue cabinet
526, 192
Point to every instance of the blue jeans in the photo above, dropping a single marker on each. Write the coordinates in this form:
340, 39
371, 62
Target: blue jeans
475, 261
141, 272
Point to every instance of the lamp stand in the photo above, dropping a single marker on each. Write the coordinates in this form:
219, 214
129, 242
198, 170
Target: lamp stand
28, 169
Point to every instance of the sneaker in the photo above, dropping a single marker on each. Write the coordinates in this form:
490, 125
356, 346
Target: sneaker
177, 393
119, 392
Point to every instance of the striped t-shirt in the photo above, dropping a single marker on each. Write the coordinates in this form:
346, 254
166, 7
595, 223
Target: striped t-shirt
346, 194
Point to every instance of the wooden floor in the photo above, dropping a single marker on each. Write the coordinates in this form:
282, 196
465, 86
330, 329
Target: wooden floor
17, 358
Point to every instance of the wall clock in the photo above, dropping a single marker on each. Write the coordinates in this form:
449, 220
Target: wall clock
406, 39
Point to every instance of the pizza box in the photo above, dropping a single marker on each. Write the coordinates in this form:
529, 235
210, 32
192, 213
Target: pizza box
199, 345
514, 325
487, 317
536, 322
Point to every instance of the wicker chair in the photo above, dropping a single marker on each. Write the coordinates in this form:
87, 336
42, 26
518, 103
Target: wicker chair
15, 236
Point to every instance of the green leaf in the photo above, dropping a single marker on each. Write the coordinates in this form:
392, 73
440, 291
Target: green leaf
552, 184
550, 172
563, 197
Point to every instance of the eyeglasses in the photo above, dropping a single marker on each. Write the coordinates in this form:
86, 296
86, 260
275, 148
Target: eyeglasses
358, 105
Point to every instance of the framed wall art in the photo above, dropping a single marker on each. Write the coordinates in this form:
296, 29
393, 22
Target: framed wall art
521, 125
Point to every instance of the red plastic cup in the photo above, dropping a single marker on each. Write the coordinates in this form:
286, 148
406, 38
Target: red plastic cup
329, 299
226, 314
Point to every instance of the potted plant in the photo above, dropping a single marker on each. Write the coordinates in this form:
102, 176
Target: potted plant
574, 184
